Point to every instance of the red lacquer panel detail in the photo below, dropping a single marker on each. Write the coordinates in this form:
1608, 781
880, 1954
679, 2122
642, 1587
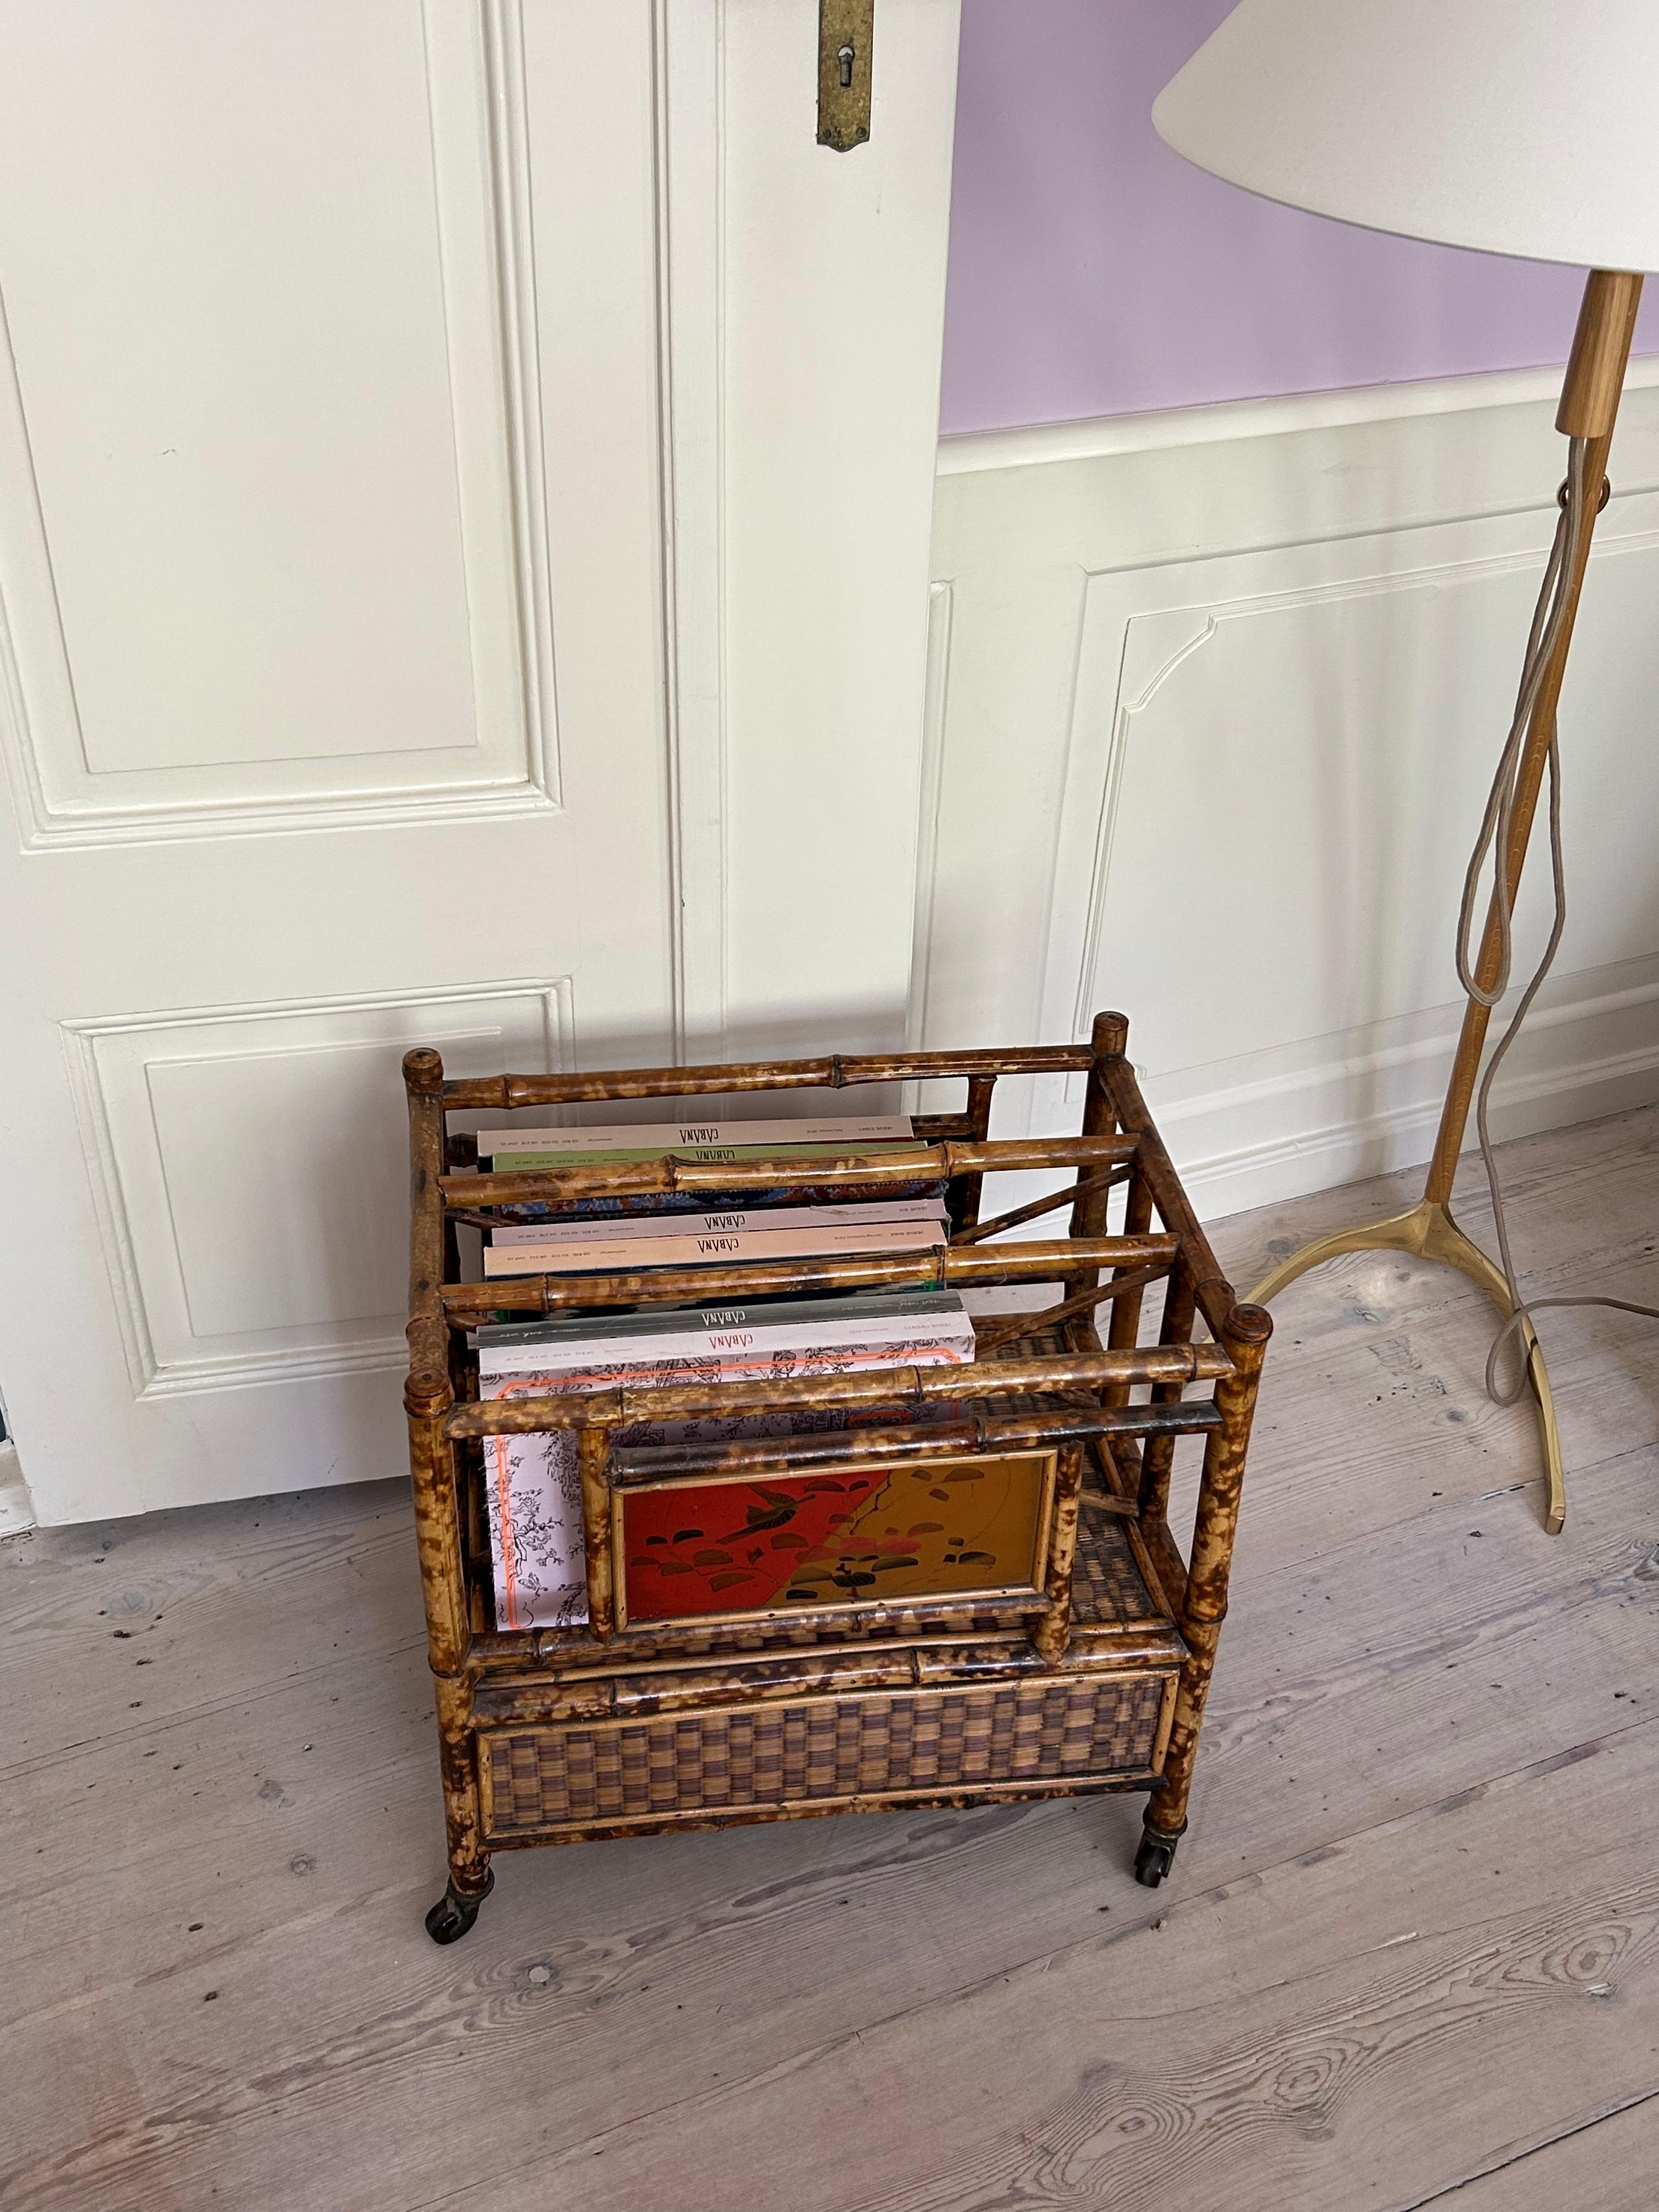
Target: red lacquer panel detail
939, 1528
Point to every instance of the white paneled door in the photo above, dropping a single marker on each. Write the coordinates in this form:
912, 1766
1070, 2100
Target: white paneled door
359, 686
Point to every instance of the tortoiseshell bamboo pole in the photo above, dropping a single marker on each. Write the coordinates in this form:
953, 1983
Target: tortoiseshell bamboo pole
887, 1386
1089, 1216
981, 1089
428, 1400
437, 1526
1108, 1042
942, 1266
655, 1689
840, 1448
1158, 1454
1123, 1332
571, 1679
834, 1070
669, 1175
1035, 1209
428, 1342
1051, 1632
1245, 1331
594, 1449
940, 1128
1212, 1293
1008, 1328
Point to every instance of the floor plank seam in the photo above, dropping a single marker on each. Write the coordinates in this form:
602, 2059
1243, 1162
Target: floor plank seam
1611, 2111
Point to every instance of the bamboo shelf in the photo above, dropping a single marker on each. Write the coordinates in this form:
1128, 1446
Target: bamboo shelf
1086, 1671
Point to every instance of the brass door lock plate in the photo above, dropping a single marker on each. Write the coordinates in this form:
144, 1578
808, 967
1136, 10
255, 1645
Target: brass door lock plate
846, 30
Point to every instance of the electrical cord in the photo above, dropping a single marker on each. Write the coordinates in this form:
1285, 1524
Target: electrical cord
1548, 617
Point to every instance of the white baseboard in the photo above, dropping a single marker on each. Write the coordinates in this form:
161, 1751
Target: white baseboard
1591, 1047
1232, 1182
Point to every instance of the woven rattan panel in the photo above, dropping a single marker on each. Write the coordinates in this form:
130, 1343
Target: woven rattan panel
825, 1750
1106, 1583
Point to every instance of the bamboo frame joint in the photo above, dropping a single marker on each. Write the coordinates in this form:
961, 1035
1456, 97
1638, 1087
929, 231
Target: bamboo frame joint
1109, 1039
1248, 1324
423, 1071
426, 1395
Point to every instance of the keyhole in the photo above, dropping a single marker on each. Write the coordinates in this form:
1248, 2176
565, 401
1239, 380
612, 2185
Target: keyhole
845, 58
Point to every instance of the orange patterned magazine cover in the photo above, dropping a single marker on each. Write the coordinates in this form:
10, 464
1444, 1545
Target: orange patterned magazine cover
922, 1528
534, 1490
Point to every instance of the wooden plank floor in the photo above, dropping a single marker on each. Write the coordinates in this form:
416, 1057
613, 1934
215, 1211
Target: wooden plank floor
1409, 1956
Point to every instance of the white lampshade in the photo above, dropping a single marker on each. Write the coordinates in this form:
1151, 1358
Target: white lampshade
1528, 127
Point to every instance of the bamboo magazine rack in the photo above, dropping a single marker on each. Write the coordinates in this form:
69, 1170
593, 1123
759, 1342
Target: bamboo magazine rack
1077, 1659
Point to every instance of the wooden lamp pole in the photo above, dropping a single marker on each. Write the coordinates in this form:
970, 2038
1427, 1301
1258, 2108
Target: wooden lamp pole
1589, 409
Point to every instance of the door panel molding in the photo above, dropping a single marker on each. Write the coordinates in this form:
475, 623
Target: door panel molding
507, 762
200, 1124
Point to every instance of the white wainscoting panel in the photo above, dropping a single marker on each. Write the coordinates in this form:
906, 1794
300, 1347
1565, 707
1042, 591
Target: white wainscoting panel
1224, 700
252, 1170
313, 220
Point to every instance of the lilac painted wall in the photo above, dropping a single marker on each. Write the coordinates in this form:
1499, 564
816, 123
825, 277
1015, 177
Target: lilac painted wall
1094, 272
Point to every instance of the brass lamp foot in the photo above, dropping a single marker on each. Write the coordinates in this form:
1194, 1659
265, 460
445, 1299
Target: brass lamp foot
1429, 1232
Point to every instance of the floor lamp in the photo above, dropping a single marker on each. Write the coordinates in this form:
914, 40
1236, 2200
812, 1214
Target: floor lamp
1527, 127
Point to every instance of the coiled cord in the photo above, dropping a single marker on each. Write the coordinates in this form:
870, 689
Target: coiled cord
1548, 619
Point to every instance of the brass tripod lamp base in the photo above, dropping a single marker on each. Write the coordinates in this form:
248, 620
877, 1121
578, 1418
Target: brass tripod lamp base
1428, 1232
1589, 407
